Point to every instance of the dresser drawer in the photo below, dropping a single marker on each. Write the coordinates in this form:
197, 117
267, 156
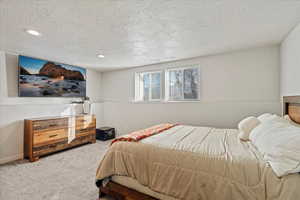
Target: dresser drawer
50, 124
85, 119
80, 126
50, 136
84, 122
85, 131
49, 148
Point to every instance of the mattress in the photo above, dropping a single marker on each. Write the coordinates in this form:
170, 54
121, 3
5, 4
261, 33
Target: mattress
187, 162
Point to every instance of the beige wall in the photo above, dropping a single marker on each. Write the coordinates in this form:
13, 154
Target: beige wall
233, 85
13, 110
290, 64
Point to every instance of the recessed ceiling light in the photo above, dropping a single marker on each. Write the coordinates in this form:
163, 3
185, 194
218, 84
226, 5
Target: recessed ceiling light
100, 56
33, 32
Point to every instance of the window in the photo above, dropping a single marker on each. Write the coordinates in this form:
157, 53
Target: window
182, 84
148, 86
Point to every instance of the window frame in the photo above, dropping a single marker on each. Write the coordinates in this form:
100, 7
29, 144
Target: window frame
137, 92
167, 84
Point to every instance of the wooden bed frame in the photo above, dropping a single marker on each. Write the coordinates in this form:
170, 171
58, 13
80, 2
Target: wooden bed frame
291, 107
120, 192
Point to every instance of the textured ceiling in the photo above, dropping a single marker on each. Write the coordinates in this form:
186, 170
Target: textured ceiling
139, 32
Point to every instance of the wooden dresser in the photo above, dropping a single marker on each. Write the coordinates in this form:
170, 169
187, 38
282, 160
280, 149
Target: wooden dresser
47, 135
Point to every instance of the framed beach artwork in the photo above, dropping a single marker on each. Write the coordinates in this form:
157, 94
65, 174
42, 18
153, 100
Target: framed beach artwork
42, 78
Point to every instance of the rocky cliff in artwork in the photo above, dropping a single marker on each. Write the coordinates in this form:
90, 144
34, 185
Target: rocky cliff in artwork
23, 71
52, 70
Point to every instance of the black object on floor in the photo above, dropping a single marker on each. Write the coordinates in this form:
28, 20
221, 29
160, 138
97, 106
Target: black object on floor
105, 133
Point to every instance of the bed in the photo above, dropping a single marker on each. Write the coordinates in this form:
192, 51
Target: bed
188, 162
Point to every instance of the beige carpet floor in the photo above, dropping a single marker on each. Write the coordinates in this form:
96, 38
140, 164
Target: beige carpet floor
67, 175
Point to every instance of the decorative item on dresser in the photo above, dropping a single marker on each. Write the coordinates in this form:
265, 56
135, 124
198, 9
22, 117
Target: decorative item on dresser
50, 134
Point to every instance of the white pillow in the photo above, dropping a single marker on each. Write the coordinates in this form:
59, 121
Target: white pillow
246, 126
287, 117
264, 117
268, 120
279, 144
276, 118
267, 117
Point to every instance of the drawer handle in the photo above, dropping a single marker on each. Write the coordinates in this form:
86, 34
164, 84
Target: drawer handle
51, 125
83, 130
52, 136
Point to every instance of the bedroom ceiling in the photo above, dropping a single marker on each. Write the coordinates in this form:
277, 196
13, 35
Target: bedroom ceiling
140, 32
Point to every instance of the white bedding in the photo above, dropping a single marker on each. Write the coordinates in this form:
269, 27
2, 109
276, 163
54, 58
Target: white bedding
187, 162
279, 143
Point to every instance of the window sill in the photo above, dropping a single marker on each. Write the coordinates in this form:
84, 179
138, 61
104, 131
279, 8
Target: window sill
163, 102
146, 102
183, 101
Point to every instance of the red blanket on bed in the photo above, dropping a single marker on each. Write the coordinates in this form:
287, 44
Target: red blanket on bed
141, 134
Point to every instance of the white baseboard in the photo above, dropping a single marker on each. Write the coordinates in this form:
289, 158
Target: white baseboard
11, 158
